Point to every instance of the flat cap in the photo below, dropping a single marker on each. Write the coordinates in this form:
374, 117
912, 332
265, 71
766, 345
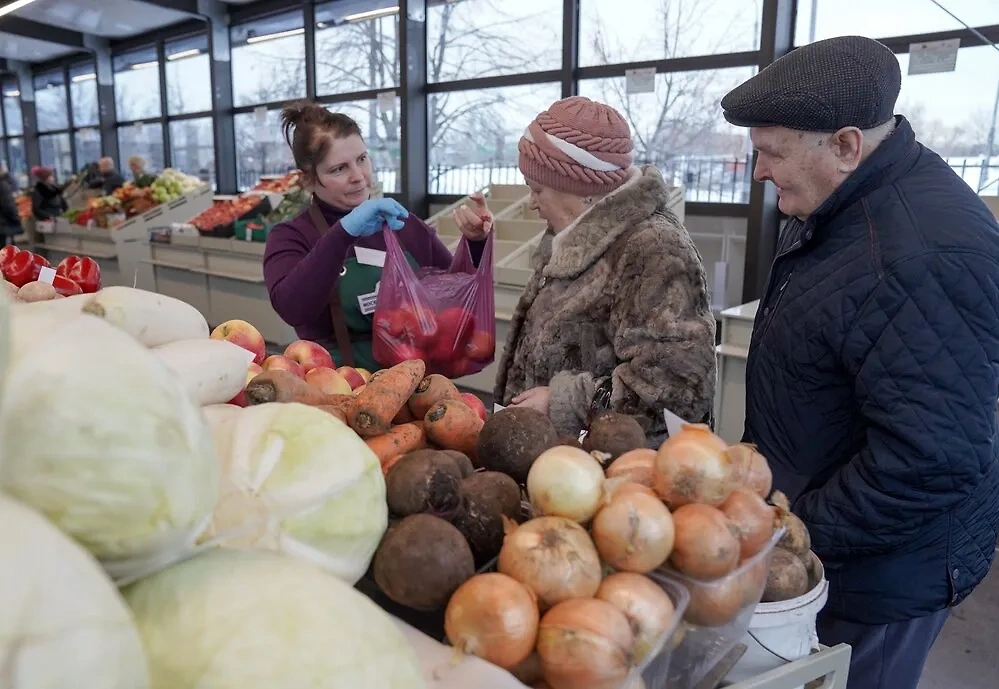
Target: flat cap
847, 81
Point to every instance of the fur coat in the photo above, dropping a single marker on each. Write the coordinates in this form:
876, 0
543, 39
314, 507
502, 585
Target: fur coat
618, 299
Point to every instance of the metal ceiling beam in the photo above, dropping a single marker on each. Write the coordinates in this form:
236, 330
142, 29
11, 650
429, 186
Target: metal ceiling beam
186, 6
26, 28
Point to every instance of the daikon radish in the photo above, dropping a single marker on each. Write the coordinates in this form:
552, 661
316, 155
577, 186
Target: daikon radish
153, 319
212, 371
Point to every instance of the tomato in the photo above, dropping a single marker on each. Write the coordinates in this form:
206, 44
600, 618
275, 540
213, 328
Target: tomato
482, 346
455, 325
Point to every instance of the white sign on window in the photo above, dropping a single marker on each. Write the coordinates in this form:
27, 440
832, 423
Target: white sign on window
640, 80
260, 115
386, 102
934, 56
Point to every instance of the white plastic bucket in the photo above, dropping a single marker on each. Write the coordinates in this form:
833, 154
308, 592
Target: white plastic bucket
780, 632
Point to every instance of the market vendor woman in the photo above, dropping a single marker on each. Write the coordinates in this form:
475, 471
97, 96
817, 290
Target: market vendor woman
316, 281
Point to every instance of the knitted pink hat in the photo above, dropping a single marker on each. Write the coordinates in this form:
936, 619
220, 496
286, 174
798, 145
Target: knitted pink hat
577, 146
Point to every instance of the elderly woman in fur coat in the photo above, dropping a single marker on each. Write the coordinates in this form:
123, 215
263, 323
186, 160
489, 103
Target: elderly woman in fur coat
616, 314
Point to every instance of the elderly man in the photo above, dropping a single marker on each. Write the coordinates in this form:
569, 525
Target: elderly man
109, 178
873, 370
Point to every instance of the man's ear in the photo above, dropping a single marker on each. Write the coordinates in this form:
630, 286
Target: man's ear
847, 145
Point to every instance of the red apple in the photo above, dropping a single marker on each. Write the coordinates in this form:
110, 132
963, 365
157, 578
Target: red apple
309, 355
352, 376
252, 372
243, 334
279, 362
475, 404
482, 346
328, 380
365, 374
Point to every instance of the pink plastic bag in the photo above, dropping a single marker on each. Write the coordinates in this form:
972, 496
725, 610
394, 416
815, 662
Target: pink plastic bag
447, 318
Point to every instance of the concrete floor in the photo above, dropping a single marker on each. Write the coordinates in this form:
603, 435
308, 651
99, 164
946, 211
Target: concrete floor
966, 655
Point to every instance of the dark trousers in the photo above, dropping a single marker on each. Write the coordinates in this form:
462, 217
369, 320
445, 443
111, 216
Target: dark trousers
885, 656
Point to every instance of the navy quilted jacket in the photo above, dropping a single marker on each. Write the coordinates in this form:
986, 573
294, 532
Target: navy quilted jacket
872, 382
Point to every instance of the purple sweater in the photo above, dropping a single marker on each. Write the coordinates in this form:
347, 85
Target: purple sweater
301, 266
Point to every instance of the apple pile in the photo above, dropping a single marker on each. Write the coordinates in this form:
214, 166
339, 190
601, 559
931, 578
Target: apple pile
448, 341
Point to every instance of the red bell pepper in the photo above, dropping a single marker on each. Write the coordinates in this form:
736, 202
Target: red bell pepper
65, 286
66, 265
85, 272
7, 254
24, 268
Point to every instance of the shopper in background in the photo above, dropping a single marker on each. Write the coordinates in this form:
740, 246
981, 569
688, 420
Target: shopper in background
315, 280
109, 179
616, 314
137, 164
10, 219
47, 201
873, 371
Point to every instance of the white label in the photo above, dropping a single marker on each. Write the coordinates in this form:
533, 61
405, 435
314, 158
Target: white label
933, 57
47, 275
674, 424
640, 80
139, 126
386, 102
370, 257
367, 302
498, 407
260, 115
718, 285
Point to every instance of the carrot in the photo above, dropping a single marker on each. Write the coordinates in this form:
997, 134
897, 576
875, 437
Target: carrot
339, 410
452, 425
383, 397
405, 416
398, 441
284, 386
431, 390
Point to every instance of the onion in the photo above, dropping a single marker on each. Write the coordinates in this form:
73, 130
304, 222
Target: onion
635, 465
648, 608
566, 482
752, 519
494, 617
692, 466
553, 557
705, 547
529, 670
716, 603
634, 533
614, 487
585, 643
752, 576
752, 468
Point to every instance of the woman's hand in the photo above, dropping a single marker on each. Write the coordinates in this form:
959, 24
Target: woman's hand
535, 398
475, 222
368, 218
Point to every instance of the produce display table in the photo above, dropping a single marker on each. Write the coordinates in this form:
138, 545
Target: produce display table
731, 353
70, 240
827, 668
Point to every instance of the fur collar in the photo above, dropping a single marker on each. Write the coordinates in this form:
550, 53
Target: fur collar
578, 246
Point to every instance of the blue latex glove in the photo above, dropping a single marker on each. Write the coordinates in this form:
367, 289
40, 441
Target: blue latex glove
370, 216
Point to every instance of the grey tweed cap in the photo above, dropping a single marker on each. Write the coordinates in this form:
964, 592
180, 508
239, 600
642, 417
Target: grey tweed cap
847, 81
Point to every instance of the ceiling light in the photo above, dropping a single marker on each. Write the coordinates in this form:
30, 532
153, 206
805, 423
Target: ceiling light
145, 65
184, 53
272, 36
14, 6
371, 14
11, 94
83, 77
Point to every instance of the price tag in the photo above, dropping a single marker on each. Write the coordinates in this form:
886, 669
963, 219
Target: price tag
47, 275
640, 80
386, 102
933, 56
367, 302
498, 407
674, 424
370, 257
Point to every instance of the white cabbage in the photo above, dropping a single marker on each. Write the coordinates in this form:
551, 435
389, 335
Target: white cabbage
100, 436
63, 624
252, 619
298, 480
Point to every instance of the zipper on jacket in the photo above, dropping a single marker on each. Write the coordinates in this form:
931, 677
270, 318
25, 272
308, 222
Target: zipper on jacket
770, 310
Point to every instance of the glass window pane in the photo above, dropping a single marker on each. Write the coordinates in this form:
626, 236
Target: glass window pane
953, 113
357, 46
50, 101
268, 59
680, 130
83, 94
381, 131
480, 38
666, 30
188, 81
56, 153
192, 148
88, 146
12, 107
137, 85
886, 18
474, 135
260, 148
17, 163
143, 140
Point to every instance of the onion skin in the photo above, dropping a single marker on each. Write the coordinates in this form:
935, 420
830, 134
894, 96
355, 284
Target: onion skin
566, 482
693, 466
585, 643
705, 547
554, 558
752, 518
494, 617
715, 603
752, 468
637, 466
649, 609
634, 533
